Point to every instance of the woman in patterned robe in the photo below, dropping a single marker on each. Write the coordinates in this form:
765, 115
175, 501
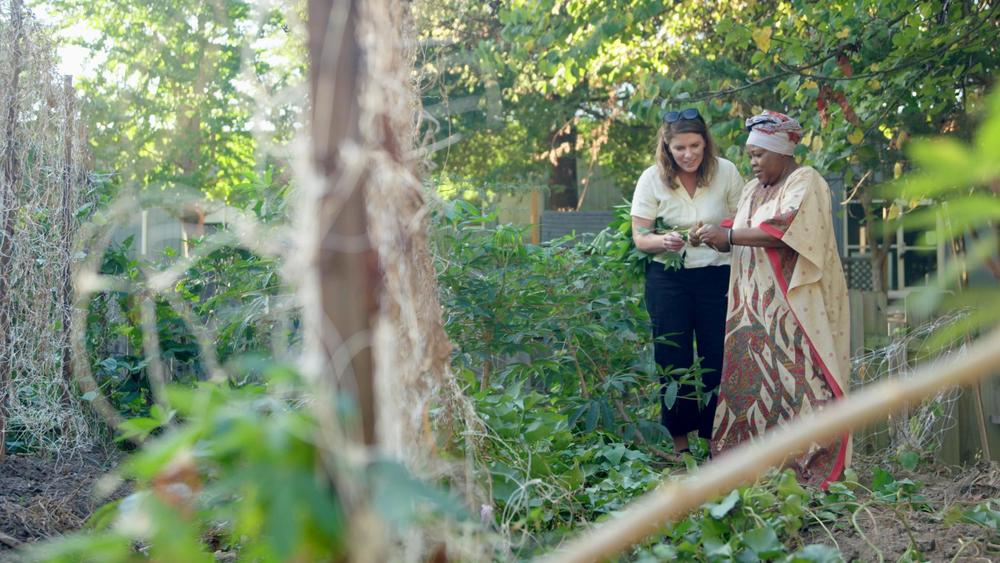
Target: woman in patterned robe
787, 325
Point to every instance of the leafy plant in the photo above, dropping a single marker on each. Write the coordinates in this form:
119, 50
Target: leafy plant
616, 242
553, 345
960, 179
243, 475
560, 318
229, 290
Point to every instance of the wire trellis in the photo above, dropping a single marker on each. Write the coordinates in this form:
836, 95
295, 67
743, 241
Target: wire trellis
44, 186
921, 427
418, 395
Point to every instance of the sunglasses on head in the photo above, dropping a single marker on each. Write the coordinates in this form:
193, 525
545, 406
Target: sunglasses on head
760, 120
673, 116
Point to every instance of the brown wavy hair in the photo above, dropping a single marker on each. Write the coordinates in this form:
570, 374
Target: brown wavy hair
665, 161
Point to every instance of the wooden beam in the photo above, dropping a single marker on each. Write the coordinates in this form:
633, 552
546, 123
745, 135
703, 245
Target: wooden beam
344, 258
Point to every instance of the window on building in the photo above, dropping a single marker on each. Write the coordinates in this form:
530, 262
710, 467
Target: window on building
913, 258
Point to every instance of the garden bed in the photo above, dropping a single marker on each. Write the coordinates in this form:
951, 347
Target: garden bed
45, 497
931, 518
41, 498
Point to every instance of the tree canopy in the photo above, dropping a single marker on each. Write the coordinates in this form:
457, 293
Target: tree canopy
861, 76
174, 101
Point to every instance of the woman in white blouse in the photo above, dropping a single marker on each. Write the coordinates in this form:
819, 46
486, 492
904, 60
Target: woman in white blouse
689, 185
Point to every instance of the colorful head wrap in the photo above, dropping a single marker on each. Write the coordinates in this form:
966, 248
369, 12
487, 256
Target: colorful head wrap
774, 131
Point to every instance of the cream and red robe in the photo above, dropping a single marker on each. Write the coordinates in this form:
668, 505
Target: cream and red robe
787, 327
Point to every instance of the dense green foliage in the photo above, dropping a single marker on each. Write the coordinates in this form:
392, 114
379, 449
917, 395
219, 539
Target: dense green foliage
230, 290
241, 474
861, 76
174, 99
564, 319
520, 83
960, 179
551, 342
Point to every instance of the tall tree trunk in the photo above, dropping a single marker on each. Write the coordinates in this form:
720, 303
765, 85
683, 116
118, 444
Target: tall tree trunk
562, 177
189, 119
344, 258
10, 178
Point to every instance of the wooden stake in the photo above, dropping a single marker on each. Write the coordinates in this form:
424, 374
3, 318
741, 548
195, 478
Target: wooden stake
67, 234
9, 181
344, 259
751, 460
535, 222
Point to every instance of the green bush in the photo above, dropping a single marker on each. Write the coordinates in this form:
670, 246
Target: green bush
229, 290
552, 342
561, 319
243, 474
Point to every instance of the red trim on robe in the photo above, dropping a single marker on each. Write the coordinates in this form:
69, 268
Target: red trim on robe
771, 230
775, 261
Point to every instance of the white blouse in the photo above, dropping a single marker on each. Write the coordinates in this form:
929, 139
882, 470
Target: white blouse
711, 205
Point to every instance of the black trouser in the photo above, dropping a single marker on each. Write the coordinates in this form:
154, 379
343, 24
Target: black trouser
692, 304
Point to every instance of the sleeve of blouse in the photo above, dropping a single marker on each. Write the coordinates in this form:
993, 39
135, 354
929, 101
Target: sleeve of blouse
644, 204
734, 191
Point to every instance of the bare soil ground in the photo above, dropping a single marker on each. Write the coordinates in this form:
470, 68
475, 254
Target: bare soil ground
886, 533
45, 497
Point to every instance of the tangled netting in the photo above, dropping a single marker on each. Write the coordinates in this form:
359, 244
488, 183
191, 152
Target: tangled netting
921, 427
43, 186
413, 380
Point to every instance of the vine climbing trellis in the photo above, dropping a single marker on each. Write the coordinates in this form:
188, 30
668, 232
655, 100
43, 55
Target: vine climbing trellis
43, 185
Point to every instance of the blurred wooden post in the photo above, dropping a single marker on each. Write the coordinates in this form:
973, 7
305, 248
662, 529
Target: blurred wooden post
9, 180
536, 226
857, 308
67, 233
876, 304
344, 258
978, 413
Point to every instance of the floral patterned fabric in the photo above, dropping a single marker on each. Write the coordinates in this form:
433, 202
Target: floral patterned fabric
787, 337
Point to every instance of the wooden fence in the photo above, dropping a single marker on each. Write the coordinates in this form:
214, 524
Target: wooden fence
968, 427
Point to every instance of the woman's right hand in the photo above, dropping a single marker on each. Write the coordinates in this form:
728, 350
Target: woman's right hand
672, 242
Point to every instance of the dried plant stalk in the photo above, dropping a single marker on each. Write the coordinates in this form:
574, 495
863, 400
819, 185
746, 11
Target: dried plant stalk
42, 186
10, 179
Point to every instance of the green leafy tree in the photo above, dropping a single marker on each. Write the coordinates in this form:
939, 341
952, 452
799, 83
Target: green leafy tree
172, 101
862, 76
961, 179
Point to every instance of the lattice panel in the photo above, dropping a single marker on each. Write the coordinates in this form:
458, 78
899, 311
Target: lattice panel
858, 271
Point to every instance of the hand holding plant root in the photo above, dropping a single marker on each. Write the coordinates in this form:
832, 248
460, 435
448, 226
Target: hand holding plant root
712, 236
674, 240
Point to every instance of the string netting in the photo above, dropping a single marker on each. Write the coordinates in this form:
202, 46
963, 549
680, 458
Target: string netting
921, 427
44, 185
418, 399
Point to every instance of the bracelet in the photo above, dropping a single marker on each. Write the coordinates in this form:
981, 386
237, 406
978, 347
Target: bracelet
730, 237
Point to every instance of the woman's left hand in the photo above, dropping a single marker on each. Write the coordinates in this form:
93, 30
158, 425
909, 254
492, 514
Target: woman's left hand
714, 237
